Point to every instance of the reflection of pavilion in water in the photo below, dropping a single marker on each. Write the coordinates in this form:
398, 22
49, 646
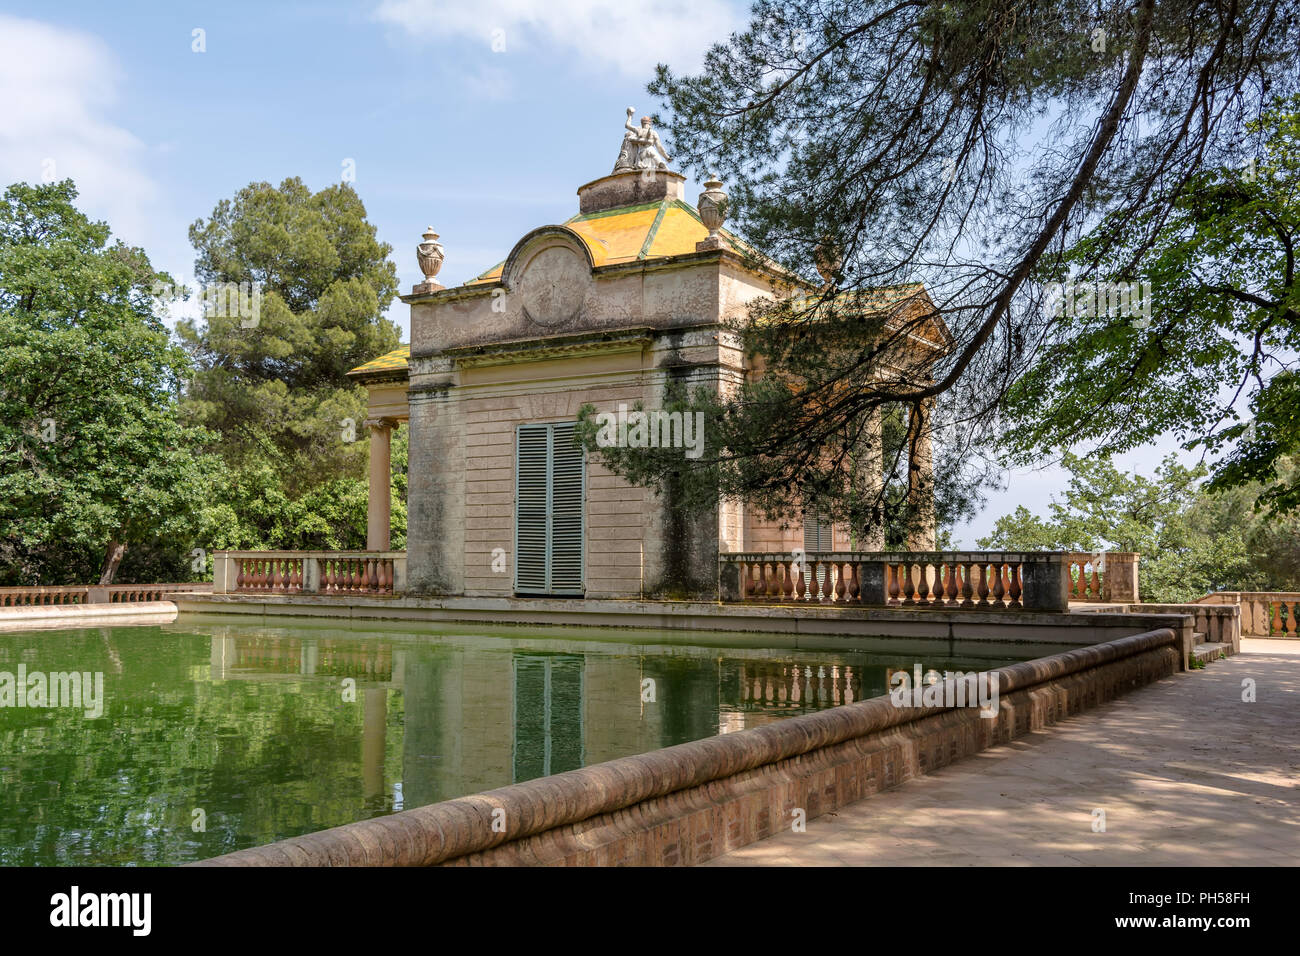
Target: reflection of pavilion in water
479, 713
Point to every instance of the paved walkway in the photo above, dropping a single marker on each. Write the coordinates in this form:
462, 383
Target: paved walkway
1187, 774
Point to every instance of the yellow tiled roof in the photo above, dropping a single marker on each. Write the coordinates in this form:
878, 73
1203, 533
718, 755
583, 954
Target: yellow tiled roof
394, 361
652, 230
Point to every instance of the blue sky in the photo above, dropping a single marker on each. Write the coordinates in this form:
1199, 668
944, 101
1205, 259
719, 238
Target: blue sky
478, 118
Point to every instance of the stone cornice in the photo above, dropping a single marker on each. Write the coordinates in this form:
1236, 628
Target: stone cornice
553, 346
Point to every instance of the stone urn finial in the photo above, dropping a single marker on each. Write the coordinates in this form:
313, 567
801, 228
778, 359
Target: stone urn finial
430, 255
712, 207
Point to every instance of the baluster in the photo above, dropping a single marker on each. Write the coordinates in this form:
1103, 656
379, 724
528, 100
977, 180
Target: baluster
1277, 627
1013, 572
1081, 589
923, 586
949, 592
855, 585
891, 572
240, 577
983, 588
909, 586
1095, 586
999, 588
841, 586
967, 585
800, 581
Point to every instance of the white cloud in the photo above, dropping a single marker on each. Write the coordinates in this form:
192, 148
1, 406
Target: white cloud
56, 88
629, 36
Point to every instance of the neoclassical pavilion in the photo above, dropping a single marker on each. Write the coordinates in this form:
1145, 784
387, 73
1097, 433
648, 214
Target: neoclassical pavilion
607, 308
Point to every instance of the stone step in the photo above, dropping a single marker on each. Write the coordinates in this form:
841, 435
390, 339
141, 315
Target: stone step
1209, 651
1198, 637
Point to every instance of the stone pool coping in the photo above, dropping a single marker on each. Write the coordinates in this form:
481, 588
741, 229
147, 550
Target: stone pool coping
29, 617
1037, 627
689, 803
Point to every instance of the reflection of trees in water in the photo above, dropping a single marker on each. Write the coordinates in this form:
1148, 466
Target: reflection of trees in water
686, 693
264, 759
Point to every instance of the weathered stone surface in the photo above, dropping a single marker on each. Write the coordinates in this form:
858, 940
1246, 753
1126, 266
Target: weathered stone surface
1173, 796
630, 188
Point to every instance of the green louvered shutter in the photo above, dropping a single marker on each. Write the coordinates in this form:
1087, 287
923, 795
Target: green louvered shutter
550, 488
531, 508
568, 472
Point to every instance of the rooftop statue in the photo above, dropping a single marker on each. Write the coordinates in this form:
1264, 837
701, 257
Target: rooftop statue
642, 148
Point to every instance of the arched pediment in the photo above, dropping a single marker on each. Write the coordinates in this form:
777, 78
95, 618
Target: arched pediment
549, 270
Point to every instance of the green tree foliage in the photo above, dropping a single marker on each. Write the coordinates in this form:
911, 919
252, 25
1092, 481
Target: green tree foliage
967, 146
843, 489
274, 386
1224, 322
1192, 540
93, 457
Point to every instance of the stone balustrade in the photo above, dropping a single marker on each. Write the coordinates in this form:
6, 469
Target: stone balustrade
309, 572
1263, 613
1105, 577
1043, 580
93, 593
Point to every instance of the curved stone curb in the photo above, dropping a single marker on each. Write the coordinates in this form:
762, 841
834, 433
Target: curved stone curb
896, 743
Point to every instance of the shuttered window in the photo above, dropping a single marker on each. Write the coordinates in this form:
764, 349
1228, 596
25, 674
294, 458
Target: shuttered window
550, 490
816, 532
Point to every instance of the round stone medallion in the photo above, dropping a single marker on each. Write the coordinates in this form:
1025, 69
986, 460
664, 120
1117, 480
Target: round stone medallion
553, 286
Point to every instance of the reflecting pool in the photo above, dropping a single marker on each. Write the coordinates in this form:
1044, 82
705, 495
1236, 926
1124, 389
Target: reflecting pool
215, 736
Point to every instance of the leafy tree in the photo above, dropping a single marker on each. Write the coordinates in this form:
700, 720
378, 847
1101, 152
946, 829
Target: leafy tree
93, 457
1192, 541
1224, 321
274, 385
280, 376
966, 146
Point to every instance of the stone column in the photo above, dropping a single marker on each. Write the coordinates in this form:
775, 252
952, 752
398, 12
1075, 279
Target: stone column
920, 478
380, 499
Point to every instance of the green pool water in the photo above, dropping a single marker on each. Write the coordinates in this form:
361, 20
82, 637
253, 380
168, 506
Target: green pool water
217, 736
